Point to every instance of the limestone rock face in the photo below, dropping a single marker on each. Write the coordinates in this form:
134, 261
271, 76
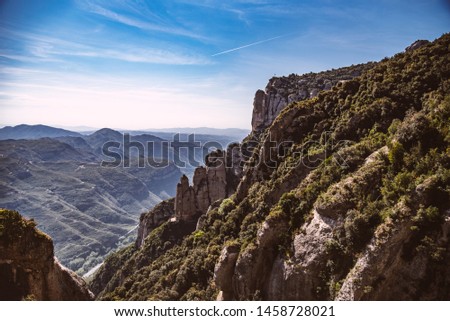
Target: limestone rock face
281, 91
254, 264
259, 116
28, 267
386, 253
216, 175
224, 269
416, 45
201, 189
214, 182
299, 277
154, 218
185, 208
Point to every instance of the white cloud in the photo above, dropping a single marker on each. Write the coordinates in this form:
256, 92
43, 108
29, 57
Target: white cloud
134, 21
53, 49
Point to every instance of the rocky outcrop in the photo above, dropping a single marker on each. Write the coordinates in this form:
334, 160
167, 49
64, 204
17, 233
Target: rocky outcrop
416, 45
216, 181
216, 175
281, 91
224, 270
185, 208
386, 271
298, 277
201, 189
210, 182
254, 264
154, 218
28, 267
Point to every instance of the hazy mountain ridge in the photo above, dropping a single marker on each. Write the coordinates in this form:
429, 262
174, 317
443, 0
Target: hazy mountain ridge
25, 131
33, 132
93, 142
234, 133
361, 214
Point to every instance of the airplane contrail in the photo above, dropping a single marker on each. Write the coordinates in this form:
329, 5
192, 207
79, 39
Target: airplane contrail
246, 46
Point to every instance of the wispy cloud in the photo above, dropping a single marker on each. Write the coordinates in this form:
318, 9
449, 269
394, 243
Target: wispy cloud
225, 6
152, 56
42, 48
133, 21
246, 46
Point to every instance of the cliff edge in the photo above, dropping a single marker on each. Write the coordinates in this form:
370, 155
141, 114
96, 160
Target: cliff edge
28, 268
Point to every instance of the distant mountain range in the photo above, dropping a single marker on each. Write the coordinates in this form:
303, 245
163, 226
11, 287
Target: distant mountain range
230, 132
95, 140
39, 131
33, 132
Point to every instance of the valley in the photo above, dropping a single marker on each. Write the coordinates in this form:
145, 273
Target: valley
88, 209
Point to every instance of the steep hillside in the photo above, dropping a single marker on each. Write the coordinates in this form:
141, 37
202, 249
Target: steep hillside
28, 267
345, 196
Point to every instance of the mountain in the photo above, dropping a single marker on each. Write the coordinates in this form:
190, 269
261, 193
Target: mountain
88, 209
28, 268
33, 132
343, 194
45, 149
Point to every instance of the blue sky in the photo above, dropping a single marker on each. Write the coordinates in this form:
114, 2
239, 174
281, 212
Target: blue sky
176, 63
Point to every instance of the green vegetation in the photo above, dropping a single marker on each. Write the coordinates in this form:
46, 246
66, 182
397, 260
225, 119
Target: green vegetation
13, 227
387, 161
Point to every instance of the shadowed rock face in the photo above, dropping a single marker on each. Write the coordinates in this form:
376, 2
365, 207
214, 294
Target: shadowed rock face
28, 267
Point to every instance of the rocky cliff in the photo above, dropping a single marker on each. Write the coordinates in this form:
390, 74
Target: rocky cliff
28, 267
344, 196
215, 181
154, 218
281, 91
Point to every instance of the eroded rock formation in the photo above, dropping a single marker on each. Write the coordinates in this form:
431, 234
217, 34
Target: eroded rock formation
185, 208
216, 181
154, 218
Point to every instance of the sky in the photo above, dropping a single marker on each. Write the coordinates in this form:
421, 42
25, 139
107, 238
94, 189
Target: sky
140, 64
